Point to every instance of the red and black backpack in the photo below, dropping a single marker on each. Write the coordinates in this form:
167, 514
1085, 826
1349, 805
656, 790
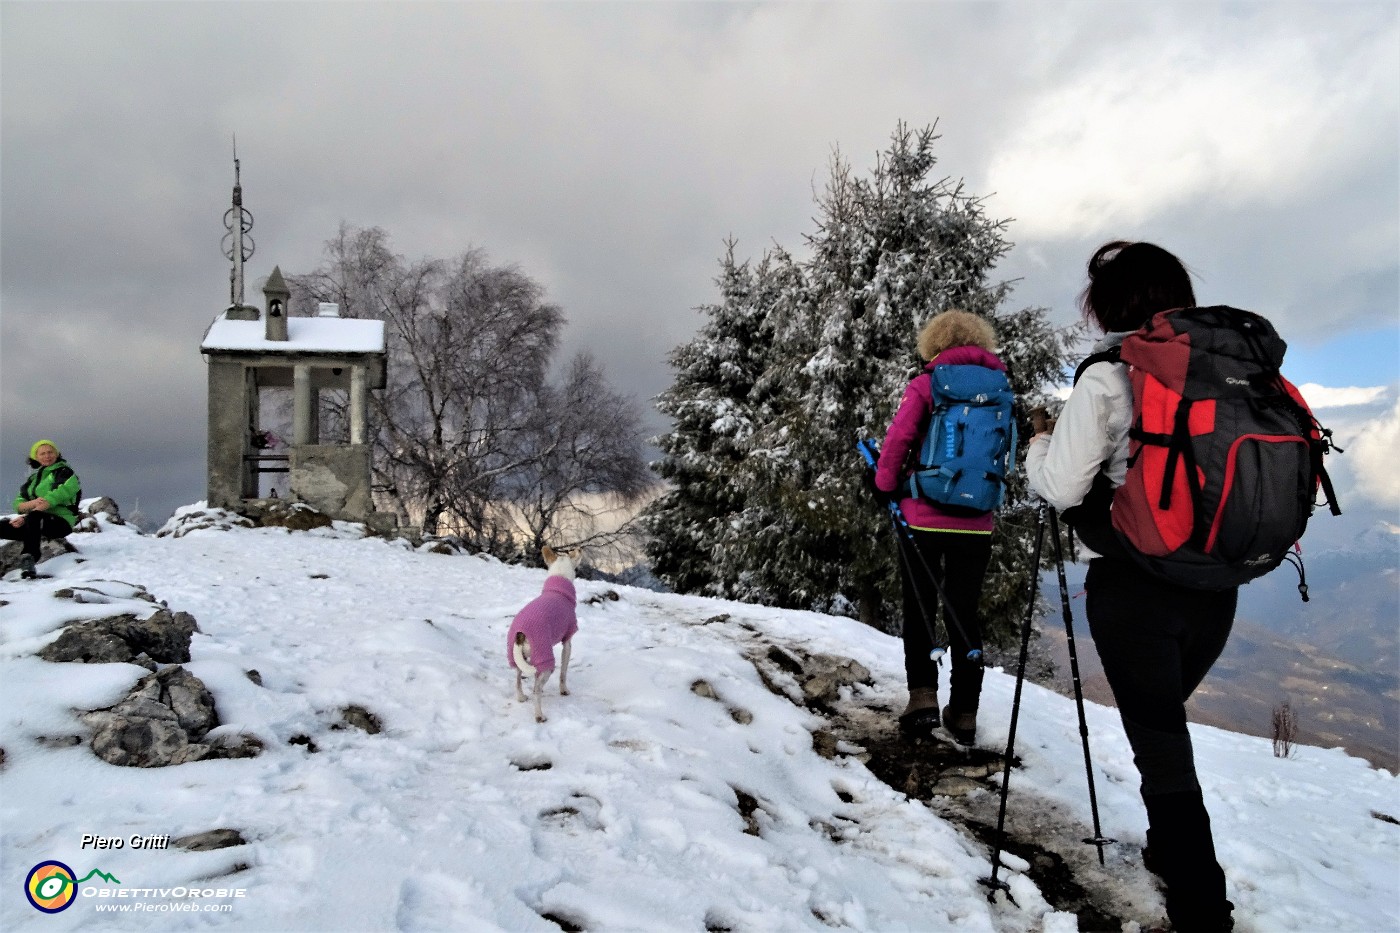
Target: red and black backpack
1224, 456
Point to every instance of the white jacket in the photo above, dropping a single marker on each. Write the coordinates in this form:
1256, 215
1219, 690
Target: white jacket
1091, 435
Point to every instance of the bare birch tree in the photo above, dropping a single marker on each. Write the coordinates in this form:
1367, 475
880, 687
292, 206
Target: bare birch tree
468, 420
582, 471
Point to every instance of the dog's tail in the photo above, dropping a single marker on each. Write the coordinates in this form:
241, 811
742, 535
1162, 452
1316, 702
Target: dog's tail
521, 661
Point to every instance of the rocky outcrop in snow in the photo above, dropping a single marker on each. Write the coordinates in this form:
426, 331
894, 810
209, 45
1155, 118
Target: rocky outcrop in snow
162, 638
161, 722
165, 718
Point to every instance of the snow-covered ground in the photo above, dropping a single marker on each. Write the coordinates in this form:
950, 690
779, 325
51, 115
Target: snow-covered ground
621, 812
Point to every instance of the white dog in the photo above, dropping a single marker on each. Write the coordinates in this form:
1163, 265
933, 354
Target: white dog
549, 619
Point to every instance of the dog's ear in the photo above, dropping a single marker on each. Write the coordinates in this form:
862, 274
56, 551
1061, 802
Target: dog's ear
549, 556
575, 554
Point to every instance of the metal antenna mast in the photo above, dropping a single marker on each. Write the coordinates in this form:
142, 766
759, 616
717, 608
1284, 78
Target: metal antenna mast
238, 245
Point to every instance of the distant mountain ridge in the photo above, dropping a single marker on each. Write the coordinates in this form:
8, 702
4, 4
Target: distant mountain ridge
1335, 659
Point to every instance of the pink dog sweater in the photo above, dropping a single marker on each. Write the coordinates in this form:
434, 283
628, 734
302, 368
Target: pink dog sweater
547, 620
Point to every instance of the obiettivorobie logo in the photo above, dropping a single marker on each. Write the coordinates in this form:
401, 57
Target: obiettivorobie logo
52, 886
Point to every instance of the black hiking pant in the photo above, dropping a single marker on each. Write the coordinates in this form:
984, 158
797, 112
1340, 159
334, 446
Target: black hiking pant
959, 560
37, 527
1157, 641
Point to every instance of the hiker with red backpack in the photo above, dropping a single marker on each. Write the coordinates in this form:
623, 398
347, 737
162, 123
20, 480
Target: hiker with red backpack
1188, 464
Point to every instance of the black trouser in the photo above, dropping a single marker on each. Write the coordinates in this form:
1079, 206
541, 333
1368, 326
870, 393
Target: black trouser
37, 526
1156, 642
959, 560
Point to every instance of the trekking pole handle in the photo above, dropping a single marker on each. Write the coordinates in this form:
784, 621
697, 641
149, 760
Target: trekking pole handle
870, 453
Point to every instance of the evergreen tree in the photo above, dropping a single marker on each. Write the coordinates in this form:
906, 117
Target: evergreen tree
710, 403
1036, 355
830, 350
890, 251
749, 537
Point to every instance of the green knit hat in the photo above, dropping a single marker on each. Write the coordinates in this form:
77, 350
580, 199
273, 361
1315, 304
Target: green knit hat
34, 451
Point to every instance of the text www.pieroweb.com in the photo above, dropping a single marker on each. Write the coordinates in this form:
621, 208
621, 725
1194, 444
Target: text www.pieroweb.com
177, 907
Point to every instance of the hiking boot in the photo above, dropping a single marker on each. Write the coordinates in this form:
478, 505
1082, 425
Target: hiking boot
920, 724
26, 567
1183, 856
961, 726
1148, 862
920, 717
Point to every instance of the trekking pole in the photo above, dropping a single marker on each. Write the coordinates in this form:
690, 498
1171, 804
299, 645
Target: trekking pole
936, 651
993, 882
906, 534
1098, 839
973, 654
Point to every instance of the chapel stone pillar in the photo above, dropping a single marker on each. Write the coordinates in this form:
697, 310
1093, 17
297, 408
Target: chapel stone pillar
303, 406
359, 404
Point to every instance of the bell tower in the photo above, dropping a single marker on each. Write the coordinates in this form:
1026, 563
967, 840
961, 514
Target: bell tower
279, 298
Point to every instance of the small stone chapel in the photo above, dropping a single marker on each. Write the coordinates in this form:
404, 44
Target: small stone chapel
251, 350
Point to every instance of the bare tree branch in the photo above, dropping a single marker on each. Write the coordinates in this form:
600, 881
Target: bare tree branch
469, 436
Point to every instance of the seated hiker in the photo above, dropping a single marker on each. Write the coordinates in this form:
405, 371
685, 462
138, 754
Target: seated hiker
47, 504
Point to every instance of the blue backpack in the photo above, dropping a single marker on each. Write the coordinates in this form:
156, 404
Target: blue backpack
970, 446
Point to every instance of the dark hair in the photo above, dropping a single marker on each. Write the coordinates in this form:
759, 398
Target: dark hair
1130, 282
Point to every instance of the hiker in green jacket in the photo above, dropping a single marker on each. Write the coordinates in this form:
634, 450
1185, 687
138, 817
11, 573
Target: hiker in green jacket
47, 504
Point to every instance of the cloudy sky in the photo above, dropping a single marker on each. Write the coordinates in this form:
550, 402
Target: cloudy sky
610, 148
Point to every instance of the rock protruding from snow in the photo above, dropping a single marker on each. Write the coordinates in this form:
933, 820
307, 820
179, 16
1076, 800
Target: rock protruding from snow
96, 512
260, 513
199, 517
210, 840
294, 516
163, 638
10, 552
818, 677
359, 718
826, 674
161, 722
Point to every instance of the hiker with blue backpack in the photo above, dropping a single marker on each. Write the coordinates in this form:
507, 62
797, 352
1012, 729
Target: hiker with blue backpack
944, 474
1186, 462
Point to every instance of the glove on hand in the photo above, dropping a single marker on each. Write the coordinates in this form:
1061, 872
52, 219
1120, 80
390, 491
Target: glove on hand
880, 496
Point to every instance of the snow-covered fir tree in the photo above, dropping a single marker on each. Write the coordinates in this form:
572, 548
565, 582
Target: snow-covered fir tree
1036, 355
710, 404
833, 354
742, 567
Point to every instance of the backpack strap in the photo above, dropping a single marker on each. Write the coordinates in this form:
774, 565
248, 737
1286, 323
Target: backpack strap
1091, 515
1179, 450
1320, 448
1111, 355
1326, 481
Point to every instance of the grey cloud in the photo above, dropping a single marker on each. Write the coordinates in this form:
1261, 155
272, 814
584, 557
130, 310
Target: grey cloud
609, 149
